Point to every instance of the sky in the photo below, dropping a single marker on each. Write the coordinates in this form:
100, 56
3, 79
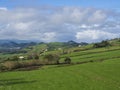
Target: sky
60, 20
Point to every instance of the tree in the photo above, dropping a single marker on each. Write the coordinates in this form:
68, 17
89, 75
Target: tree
51, 59
36, 57
29, 57
33, 56
67, 60
102, 44
15, 58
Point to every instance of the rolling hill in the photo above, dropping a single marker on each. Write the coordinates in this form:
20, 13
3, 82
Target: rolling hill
101, 73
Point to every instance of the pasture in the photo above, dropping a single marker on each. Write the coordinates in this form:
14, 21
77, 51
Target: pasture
103, 75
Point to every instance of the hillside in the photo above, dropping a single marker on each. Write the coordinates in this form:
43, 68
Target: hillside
94, 69
54, 46
23, 46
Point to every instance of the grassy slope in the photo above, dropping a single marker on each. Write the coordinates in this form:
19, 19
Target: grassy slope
37, 48
94, 54
91, 76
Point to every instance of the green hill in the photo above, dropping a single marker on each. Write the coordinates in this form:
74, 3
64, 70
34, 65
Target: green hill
101, 73
53, 46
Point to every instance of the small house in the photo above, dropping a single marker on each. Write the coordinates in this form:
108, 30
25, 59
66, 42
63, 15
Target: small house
21, 57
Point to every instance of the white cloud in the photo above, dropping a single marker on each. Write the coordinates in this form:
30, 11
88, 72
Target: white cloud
97, 17
94, 35
22, 26
58, 23
48, 37
3, 9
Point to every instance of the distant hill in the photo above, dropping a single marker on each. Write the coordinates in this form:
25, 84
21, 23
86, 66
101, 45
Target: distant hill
8, 46
69, 44
54, 46
14, 45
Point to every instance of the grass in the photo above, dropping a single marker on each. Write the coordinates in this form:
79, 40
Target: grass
103, 75
94, 54
90, 76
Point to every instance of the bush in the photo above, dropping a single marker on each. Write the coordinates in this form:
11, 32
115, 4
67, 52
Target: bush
33, 56
51, 59
67, 60
102, 44
9, 65
29, 57
35, 63
36, 57
2, 68
118, 39
15, 58
31, 63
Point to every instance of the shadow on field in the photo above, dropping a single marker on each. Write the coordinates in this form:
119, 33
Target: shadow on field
14, 81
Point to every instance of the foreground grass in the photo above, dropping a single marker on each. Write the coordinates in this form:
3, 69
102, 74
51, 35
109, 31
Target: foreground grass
90, 76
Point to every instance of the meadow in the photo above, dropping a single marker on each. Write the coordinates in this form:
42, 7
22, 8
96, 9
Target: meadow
104, 75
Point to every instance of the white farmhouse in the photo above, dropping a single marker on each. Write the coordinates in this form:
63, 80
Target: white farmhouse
21, 57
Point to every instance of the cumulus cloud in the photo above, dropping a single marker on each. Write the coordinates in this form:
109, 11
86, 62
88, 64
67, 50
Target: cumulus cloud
3, 9
94, 35
59, 24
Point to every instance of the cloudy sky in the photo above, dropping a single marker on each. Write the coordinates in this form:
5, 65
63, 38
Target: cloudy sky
60, 20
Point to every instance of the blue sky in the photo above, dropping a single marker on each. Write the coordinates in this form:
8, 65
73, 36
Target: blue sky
60, 20
109, 4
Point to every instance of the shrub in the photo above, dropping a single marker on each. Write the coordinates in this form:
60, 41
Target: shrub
102, 44
36, 57
77, 50
15, 58
30, 63
9, 65
118, 39
29, 57
51, 59
2, 68
33, 56
67, 60
33, 63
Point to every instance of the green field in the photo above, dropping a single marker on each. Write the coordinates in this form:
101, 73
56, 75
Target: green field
103, 75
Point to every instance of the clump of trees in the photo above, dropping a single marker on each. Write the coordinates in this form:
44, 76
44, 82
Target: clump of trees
67, 60
14, 63
14, 58
118, 39
33, 56
102, 44
51, 59
29, 57
11, 65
